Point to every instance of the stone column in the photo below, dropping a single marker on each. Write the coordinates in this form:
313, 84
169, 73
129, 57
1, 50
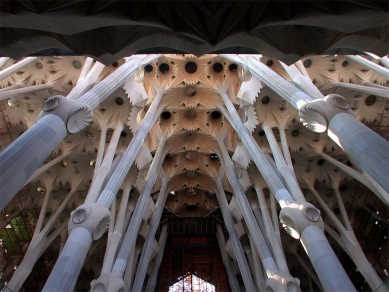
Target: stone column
113, 185
256, 153
162, 242
32, 148
281, 86
367, 148
319, 121
15, 67
230, 272
279, 277
286, 171
25, 90
136, 219
20, 159
296, 216
236, 245
384, 92
106, 87
149, 243
371, 65
91, 220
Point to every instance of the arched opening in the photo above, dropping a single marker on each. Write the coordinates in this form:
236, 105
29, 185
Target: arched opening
192, 283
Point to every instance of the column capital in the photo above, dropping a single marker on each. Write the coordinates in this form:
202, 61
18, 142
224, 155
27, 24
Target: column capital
298, 216
75, 114
317, 114
93, 217
283, 281
107, 282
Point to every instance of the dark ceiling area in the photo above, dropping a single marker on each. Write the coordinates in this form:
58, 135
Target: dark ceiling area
109, 30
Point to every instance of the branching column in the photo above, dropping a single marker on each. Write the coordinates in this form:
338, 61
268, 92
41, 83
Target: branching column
162, 243
362, 144
230, 272
279, 277
90, 221
236, 245
41, 239
59, 117
114, 279
20, 159
149, 243
301, 219
367, 148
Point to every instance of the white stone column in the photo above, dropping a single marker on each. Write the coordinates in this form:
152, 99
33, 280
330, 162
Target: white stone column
279, 277
363, 145
256, 153
41, 239
270, 232
86, 82
131, 152
25, 90
236, 245
95, 217
20, 159
116, 235
15, 67
162, 243
106, 87
296, 216
330, 272
230, 272
286, 171
64, 276
258, 273
371, 65
136, 219
149, 243
277, 83
384, 92
102, 171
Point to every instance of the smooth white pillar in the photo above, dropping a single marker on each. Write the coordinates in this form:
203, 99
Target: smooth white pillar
366, 147
162, 243
236, 245
149, 243
230, 273
20, 159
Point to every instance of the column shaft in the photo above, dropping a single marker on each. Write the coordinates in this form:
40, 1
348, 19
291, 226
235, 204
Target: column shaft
149, 243
68, 266
327, 266
136, 219
120, 172
153, 277
230, 273
366, 147
236, 245
20, 159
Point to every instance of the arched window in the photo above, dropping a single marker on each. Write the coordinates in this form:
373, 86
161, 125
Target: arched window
192, 283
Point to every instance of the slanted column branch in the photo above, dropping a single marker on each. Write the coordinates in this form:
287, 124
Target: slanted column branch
113, 281
20, 159
362, 144
59, 116
90, 221
368, 149
236, 245
301, 219
230, 272
279, 278
162, 243
148, 245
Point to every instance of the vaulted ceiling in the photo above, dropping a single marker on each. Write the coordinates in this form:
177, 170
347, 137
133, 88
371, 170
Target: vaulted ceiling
109, 30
